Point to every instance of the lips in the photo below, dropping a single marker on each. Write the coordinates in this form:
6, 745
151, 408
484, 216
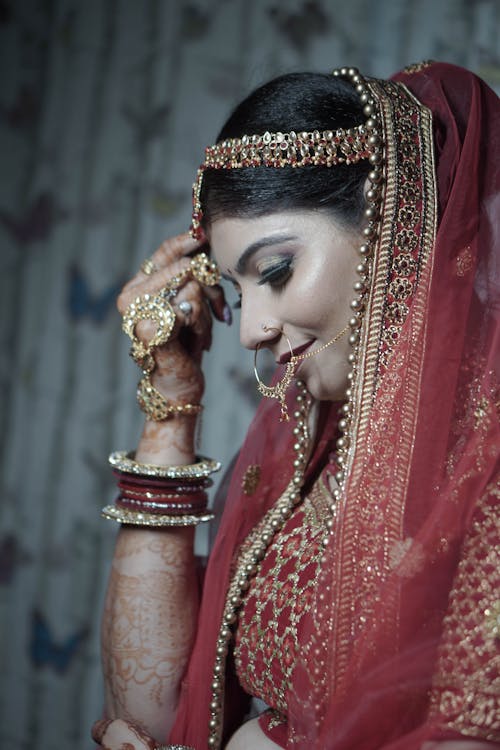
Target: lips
286, 357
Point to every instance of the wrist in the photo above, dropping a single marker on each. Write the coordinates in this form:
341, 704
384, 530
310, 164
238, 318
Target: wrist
168, 443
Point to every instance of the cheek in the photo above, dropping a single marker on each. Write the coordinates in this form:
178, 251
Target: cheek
323, 295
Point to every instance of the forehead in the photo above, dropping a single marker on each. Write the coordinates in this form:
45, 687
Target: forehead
234, 234
233, 237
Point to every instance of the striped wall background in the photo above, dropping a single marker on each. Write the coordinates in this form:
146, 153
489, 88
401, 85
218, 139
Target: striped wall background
105, 108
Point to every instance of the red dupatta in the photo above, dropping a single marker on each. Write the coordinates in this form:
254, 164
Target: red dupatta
408, 573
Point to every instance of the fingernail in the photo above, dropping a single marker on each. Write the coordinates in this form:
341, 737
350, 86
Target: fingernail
227, 314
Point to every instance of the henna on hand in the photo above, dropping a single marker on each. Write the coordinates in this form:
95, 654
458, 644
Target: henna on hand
116, 734
178, 372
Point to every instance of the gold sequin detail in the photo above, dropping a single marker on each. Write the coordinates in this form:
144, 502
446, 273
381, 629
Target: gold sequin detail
466, 692
417, 67
251, 479
464, 261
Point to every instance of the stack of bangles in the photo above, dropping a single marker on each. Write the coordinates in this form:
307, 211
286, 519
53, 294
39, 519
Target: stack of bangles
160, 495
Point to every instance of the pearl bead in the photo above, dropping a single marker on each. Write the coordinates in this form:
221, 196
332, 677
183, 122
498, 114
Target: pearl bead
375, 175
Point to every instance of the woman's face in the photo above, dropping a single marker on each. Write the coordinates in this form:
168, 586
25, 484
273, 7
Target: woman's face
294, 271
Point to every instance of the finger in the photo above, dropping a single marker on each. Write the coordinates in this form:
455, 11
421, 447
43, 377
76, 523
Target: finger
138, 287
117, 734
217, 299
199, 319
173, 249
99, 730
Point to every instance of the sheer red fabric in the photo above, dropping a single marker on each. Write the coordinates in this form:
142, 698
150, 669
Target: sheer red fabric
405, 609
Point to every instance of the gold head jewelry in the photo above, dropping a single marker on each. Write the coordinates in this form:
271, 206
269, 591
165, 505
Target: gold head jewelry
317, 148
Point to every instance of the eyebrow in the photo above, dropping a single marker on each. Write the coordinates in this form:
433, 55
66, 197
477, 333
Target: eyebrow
245, 256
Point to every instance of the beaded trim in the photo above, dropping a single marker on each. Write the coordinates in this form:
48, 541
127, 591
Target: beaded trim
125, 462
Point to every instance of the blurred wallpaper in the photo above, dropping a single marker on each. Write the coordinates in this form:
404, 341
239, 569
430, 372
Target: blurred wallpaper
105, 109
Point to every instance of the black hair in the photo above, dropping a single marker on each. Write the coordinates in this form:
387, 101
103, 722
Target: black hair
299, 102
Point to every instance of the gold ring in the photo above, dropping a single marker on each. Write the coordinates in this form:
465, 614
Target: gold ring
149, 267
205, 270
157, 309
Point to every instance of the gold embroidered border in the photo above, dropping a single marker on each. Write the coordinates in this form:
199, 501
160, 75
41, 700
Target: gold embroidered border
401, 253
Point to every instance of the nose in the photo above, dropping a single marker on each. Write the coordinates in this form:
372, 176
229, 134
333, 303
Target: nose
257, 324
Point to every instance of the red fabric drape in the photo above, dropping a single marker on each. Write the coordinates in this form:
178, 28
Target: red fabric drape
423, 468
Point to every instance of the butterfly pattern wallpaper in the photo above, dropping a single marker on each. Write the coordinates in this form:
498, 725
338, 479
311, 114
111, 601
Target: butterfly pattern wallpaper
105, 110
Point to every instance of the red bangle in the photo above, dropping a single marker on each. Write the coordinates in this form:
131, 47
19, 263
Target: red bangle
146, 497
160, 482
164, 508
147, 489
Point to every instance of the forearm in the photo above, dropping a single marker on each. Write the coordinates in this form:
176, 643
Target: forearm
148, 626
151, 605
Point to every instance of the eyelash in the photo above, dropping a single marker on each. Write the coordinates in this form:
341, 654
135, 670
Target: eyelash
276, 276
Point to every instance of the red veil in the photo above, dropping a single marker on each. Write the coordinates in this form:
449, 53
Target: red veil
406, 614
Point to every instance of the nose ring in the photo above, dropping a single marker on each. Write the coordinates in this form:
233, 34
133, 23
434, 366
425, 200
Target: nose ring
279, 390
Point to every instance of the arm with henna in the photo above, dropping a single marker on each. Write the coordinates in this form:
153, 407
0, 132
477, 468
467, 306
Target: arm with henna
151, 608
150, 613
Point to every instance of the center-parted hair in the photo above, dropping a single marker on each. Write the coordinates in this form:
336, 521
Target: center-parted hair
298, 102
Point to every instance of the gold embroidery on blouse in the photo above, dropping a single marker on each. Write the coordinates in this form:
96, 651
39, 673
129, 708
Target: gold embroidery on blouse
492, 615
269, 637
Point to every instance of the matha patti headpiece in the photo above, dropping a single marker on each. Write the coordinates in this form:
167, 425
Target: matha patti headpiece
326, 148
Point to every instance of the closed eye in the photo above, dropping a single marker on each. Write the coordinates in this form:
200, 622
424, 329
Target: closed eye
278, 274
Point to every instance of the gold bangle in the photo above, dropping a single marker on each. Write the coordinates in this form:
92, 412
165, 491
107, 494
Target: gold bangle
136, 518
155, 405
125, 462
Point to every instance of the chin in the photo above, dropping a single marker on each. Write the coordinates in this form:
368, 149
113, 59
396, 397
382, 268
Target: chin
321, 391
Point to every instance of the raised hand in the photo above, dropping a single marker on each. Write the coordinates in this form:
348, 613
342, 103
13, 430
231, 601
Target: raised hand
177, 372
